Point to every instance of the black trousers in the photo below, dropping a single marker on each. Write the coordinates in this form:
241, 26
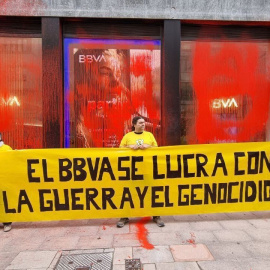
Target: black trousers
7, 223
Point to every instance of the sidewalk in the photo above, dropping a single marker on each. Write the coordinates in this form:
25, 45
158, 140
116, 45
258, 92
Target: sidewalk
231, 241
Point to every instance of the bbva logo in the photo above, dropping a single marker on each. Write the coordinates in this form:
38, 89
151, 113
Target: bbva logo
90, 58
10, 101
224, 103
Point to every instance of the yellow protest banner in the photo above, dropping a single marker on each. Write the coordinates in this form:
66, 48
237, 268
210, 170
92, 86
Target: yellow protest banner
57, 184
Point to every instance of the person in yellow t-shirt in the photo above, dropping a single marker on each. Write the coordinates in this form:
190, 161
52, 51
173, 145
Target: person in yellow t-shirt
138, 138
5, 147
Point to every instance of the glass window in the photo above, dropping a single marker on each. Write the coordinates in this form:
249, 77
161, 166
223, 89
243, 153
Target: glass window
225, 88
20, 92
107, 82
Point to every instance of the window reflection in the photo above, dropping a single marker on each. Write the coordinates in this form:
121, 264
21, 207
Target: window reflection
20, 92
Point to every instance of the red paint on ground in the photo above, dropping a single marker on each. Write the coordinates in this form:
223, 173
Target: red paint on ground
191, 240
104, 228
143, 232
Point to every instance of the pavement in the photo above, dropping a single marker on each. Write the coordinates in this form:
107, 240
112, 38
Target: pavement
231, 241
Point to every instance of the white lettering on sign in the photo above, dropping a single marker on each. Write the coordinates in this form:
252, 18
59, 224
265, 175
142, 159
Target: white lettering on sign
90, 58
223, 103
10, 102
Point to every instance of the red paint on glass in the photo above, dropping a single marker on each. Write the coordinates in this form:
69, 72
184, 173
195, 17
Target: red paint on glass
109, 87
143, 232
143, 94
20, 92
232, 92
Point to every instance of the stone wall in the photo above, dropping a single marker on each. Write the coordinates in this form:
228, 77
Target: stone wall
230, 10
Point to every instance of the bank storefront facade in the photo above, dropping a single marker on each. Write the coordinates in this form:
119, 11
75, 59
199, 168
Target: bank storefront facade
74, 73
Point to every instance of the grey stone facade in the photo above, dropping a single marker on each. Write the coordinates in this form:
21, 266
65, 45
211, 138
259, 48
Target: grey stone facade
229, 10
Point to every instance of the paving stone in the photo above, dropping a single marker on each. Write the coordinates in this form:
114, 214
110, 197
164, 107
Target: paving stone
260, 223
55, 260
198, 237
98, 222
259, 234
236, 264
149, 266
81, 231
4, 242
241, 215
232, 236
178, 266
42, 224
205, 225
236, 225
197, 252
50, 231
164, 239
168, 219
258, 249
156, 255
6, 258
23, 243
188, 218
222, 265
256, 264
176, 226
18, 232
109, 250
167, 266
73, 223
126, 240
60, 243
214, 217
32, 259
119, 267
90, 242
262, 214
120, 254
112, 229
228, 251
38, 268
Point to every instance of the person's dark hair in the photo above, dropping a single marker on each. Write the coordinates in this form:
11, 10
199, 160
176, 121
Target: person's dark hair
135, 120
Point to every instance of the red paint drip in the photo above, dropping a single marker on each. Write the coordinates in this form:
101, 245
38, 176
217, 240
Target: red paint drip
224, 73
143, 232
104, 228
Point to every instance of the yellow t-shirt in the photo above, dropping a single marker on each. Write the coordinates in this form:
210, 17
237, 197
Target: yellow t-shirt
5, 147
133, 138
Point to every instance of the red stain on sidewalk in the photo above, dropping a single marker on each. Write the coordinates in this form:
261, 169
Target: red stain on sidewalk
191, 240
143, 232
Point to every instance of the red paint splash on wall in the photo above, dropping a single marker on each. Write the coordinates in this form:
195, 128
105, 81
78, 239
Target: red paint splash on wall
232, 91
19, 7
143, 90
142, 233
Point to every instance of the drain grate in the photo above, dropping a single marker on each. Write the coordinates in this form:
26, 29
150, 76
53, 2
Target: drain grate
133, 264
92, 261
